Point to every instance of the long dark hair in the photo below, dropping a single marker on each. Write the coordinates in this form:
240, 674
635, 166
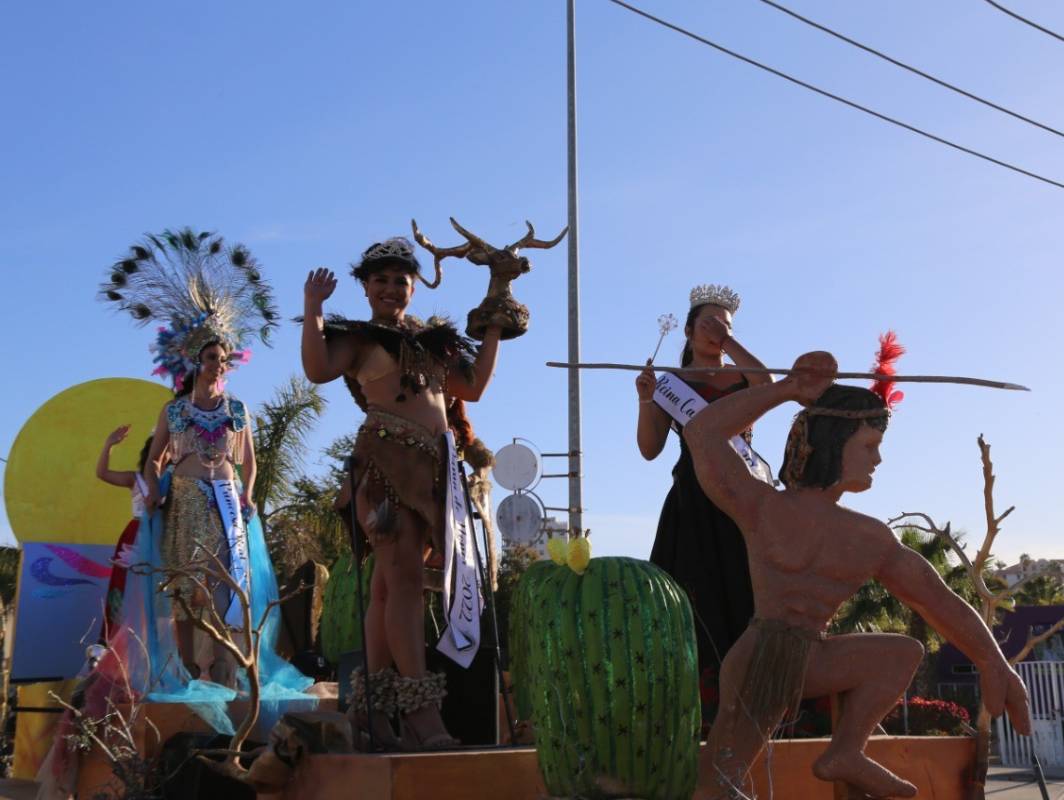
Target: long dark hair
688, 355
826, 436
144, 451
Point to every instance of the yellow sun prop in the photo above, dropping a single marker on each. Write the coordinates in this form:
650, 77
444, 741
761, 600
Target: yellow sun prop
50, 485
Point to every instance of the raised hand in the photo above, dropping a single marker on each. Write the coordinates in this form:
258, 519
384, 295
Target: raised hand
715, 329
117, 435
813, 374
645, 383
320, 285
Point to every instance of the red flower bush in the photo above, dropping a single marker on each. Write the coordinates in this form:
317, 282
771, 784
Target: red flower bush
928, 717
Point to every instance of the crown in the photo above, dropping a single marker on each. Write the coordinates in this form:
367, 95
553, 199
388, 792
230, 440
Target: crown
712, 294
397, 247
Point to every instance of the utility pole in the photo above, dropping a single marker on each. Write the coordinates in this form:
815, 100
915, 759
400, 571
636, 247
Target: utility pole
576, 503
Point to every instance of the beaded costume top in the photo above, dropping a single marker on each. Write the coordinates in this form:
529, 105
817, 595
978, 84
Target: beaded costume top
425, 352
214, 436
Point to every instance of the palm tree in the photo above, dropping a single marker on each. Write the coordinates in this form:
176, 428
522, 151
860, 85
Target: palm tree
281, 430
9, 559
1045, 590
873, 608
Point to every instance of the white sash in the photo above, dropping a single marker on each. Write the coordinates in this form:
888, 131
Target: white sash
681, 402
237, 536
462, 601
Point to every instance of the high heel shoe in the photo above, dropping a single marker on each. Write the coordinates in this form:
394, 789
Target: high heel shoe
414, 695
382, 685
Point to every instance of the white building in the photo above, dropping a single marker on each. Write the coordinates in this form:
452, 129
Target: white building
1031, 566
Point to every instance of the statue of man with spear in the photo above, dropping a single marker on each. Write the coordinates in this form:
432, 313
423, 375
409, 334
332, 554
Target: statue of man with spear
808, 554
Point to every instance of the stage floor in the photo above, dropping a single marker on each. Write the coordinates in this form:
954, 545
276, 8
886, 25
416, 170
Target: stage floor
938, 765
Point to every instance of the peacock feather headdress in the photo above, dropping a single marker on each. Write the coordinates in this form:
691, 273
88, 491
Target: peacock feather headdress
200, 289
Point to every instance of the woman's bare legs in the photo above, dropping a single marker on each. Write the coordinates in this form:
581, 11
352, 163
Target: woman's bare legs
378, 653
399, 566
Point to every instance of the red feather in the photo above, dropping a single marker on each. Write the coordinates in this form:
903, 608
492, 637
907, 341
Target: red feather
890, 350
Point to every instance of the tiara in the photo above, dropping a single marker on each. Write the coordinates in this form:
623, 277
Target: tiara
397, 247
712, 294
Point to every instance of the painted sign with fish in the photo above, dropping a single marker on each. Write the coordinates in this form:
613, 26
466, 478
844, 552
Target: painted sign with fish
59, 608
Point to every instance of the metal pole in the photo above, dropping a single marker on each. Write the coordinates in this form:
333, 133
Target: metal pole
576, 505
489, 592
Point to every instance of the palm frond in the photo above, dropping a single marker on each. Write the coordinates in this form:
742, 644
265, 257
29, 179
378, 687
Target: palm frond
281, 433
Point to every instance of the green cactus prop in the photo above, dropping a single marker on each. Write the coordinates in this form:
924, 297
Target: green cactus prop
341, 626
605, 666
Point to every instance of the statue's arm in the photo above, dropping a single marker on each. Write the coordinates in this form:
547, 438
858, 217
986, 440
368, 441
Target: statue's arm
721, 472
909, 577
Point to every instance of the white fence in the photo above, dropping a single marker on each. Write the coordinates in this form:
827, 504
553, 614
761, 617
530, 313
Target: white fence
1045, 684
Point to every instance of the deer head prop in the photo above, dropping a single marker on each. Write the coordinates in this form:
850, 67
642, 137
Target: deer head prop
505, 264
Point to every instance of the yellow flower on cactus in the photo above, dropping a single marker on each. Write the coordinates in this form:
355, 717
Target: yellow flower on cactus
579, 554
556, 549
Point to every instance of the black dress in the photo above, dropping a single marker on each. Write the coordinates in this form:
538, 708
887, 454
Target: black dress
703, 550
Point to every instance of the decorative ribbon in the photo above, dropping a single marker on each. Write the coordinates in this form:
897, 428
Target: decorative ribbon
462, 600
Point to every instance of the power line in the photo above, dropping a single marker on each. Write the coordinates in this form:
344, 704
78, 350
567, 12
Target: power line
1024, 20
837, 98
912, 69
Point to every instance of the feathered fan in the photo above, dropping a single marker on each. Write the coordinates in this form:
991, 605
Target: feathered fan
200, 289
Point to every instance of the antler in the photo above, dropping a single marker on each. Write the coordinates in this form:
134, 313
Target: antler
473, 239
438, 253
530, 240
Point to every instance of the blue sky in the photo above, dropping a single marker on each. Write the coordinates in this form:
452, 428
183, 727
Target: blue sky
309, 131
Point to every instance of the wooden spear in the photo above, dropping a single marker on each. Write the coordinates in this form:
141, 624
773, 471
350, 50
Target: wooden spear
773, 371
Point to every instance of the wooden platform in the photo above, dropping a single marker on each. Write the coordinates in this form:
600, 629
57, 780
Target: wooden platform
168, 719
937, 765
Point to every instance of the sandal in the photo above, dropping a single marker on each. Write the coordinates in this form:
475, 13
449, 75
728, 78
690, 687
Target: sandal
415, 694
382, 684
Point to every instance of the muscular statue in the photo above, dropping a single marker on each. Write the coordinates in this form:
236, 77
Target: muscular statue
808, 554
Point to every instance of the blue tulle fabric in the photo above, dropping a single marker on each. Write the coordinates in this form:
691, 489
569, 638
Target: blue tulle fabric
149, 647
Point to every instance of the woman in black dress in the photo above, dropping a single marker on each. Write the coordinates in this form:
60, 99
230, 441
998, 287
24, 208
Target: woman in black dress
696, 542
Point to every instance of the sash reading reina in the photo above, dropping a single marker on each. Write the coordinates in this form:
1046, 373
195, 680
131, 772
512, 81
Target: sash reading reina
681, 402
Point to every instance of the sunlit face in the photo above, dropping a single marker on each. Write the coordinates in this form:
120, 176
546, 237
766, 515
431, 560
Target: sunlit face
703, 334
389, 292
213, 362
860, 457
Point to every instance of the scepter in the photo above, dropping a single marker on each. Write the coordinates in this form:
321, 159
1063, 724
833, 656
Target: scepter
666, 323
779, 371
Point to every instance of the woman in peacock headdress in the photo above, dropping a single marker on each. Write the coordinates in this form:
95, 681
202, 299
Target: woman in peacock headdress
210, 301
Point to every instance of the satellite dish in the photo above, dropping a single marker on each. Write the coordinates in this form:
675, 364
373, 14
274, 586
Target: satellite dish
520, 518
516, 467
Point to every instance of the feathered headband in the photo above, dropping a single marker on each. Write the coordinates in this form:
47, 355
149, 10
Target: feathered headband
202, 290
798, 447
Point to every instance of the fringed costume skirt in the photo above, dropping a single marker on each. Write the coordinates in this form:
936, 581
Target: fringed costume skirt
403, 466
193, 528
775, 675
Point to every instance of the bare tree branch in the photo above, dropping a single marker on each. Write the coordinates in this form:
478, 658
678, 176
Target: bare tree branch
1033, 641
992, 520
